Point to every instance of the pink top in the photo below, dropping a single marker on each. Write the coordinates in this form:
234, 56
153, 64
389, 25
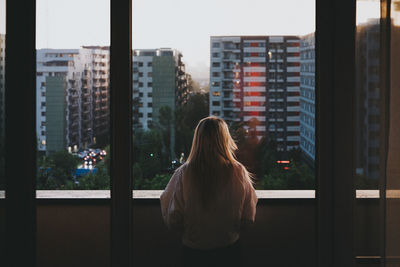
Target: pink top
219, 226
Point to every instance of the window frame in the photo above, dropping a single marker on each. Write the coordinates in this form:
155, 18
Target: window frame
335, 20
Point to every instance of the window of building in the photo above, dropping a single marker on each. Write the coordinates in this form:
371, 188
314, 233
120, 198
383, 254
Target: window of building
216, 93
216, 103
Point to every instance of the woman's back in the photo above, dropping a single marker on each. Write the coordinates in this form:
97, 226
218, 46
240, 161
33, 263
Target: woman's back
211, 196
209, 227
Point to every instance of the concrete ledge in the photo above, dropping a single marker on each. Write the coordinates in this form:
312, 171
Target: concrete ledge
155, 194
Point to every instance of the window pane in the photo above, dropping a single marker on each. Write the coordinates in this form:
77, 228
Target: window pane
254, 70
369, 127
72, 95
73, 63
392, 167
369, 95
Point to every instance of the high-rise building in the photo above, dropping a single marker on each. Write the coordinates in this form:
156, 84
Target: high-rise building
73, 98
368, 90
307, 97
255, 81
159, 81
2, 82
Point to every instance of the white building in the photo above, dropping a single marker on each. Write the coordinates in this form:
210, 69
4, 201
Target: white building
72, 96
143, 87
255, 80
307, 96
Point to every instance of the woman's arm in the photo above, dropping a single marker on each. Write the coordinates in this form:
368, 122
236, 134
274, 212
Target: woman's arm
172, 204
249, 206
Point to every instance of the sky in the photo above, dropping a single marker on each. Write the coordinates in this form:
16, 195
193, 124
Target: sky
2, 16
185, 25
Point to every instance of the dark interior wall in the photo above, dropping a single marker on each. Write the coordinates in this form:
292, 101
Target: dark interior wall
283, 235
2, 230
72, 233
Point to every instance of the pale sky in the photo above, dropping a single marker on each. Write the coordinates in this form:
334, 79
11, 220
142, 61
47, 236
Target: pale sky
185, 25
2, 16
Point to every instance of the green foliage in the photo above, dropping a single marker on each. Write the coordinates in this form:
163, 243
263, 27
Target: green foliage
95, 181
166, 121
261, 156
148, 152
186, 119
56, 171
297, 177
158, 182
99, 180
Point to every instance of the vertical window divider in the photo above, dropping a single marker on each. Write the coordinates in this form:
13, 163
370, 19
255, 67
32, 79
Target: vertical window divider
20, 132
121, 132
335, 77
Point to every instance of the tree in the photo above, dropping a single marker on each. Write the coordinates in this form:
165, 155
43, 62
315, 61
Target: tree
166, 119
99, 180
193, 86
186, 119
148, 152
57, 170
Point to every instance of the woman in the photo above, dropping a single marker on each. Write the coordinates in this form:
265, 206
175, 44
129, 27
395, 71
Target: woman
210, 198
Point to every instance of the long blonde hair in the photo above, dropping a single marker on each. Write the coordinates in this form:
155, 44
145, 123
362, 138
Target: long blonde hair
212, 160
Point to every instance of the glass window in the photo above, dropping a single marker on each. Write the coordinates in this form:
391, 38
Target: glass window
73, 90
369, 124
261, 66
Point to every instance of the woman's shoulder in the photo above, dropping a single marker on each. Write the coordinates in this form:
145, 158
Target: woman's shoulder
238, 167
242, 173
181, 170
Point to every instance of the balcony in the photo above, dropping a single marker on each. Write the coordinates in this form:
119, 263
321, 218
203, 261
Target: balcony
285, 225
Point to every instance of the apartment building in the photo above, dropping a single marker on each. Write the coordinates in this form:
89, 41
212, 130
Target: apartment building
2, 82
159, 79
307, 97
73, 92
255, 81
369, 123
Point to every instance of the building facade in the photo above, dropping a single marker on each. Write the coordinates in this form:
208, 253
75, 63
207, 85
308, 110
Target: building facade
369, 121
159, 80
73, 98
307, 97
159, 84
255, 81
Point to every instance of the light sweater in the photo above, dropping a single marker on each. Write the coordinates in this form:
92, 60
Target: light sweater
217, 226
